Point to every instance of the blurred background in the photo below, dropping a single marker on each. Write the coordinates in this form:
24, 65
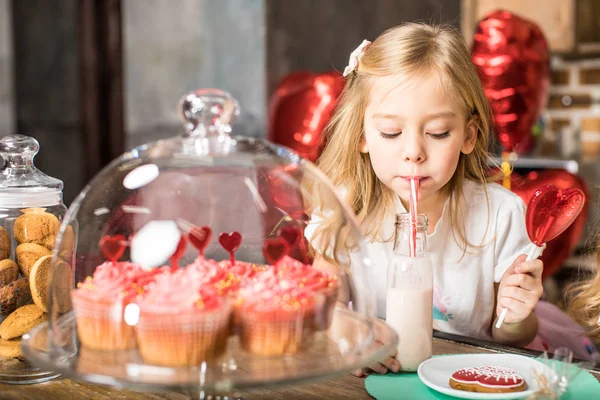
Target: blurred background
90, 79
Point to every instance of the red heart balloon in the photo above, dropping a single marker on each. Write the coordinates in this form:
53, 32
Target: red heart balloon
230, 241
113, 247
561, 247
300, 108
275, 249
551, 211
200, 237
291, 234
512, 58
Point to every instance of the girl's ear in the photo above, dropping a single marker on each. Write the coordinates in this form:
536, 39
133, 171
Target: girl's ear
363, 147
470, 138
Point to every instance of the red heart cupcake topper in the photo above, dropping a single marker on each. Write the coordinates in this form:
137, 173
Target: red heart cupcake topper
275, 249
291, 234
113, 247
230, 242
200, 237
551, 211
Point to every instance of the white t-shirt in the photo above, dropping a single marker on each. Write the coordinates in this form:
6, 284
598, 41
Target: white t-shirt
463, 291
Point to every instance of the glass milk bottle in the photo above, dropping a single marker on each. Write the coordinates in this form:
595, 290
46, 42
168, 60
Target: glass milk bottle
409, 295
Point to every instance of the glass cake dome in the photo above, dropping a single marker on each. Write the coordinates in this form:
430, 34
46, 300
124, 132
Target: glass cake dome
189, 262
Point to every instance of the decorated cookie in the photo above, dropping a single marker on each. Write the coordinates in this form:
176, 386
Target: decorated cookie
488, 379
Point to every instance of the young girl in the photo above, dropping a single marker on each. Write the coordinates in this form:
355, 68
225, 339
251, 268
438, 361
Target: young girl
413, 106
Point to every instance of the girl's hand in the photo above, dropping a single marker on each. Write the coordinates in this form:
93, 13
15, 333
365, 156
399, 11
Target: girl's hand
390, 364
520, 289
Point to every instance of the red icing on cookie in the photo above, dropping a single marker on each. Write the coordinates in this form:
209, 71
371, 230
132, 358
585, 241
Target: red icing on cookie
489, 376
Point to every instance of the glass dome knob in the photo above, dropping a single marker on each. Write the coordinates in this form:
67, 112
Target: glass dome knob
18, 150
208, 110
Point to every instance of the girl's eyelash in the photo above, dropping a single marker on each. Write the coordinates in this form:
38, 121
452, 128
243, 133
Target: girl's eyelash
389, 135
433, 135
440, 135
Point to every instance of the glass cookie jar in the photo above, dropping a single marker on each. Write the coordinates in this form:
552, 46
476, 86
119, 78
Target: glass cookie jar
31, 209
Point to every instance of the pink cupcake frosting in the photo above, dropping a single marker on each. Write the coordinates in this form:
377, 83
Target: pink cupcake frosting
179, 292
275, 304
116, 280
292, 274
244, 270
310, 279
214, 274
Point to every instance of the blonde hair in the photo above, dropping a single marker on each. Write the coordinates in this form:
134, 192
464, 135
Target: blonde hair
411, 49
583, 301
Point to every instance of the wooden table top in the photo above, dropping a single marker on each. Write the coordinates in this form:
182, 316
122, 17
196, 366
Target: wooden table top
344, 386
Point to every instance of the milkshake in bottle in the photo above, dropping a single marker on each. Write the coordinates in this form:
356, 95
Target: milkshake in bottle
409, 299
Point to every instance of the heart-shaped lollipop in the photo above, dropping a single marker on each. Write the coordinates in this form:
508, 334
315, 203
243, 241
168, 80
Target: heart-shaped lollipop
291, 234
230, 242
113, 247
200, 237
275, 249
549, 213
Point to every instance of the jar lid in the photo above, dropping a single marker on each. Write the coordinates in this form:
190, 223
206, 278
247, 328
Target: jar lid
21, 183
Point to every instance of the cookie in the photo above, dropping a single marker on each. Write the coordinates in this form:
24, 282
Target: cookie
10, 348
27, 254
36, 226
67, 245
14, 295
4, 244
63, 285
21, 321
488, 379
39, 277
9, 271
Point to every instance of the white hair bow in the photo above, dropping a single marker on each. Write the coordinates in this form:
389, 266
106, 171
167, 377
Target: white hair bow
355, 57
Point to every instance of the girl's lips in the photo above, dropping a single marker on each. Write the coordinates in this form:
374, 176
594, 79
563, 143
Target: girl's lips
419, 178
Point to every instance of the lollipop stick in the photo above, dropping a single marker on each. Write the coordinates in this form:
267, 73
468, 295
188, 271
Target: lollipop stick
501, 318
531, 255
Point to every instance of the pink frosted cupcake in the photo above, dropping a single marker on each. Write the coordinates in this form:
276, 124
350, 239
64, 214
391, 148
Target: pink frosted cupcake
273, 322
99, 303
181, 322
312, 281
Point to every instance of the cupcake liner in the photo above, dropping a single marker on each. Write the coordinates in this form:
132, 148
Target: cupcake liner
183, 339
100, 324
235, 320
286, 334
